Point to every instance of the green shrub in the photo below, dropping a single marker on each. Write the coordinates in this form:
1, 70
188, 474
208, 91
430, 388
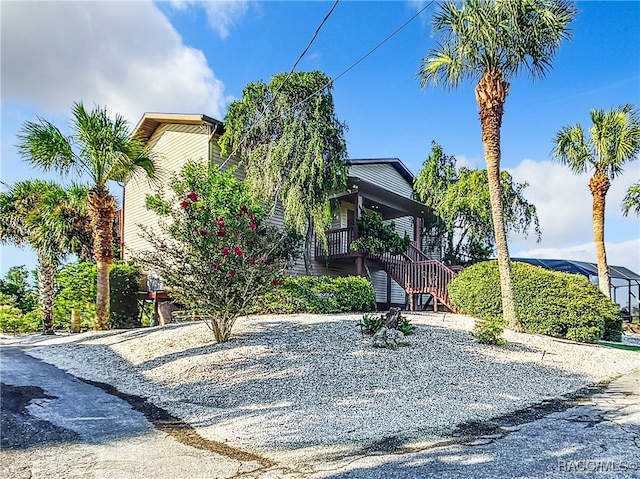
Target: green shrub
13, 320
371, 324
319, 295
124, 282
488, 331
77, 290
547, 302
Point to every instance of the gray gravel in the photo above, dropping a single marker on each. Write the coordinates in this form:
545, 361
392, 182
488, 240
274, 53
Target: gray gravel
306, 387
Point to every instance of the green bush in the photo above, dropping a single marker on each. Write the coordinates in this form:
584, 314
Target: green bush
488, 331
77, 290
547, 302
124, 283
13, 320
318, 295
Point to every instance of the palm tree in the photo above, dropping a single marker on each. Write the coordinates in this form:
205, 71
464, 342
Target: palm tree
103, 150
53, 221
614, 140
490, 42
631, 201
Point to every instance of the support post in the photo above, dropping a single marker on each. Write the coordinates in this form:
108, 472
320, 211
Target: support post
417, 232
388, 291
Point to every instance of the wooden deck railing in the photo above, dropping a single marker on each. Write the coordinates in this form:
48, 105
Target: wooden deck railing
419, 277
338, 244
413, 270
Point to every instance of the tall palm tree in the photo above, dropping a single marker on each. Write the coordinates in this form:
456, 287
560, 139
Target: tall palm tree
103, 150
631, 201
490, 42
54, 222
614, 140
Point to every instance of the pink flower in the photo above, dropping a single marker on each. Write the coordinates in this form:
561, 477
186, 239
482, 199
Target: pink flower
238, 251
225, 251
217, 267
252, 226
203, 232
222, 233
244, 208
184, 203
192, 196
251, 261
275, 282
232, 273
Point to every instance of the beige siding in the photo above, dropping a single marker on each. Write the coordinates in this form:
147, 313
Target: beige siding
383, 175
225, 162
174, 145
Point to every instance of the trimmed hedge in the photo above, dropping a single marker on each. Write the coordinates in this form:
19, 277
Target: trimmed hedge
319, 294
547, 302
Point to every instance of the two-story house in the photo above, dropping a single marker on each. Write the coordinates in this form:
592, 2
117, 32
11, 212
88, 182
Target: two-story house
382, 185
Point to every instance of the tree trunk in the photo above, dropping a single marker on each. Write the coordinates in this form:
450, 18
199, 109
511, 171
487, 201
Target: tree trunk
46, 292
491, 94
76, 320
599, 185
308, 246
102, 211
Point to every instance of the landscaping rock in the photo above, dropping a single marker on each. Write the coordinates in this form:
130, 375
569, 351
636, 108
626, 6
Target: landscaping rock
389, 338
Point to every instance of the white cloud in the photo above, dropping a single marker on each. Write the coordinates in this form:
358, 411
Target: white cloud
563, 200
123, 55
462, 161
564, 205
221, 15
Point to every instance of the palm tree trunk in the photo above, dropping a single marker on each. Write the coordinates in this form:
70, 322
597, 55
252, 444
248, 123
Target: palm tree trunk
46, 292
102, 211
599, 185
491, 94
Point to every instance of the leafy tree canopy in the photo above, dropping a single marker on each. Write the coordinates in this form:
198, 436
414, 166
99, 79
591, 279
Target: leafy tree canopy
16, 286
291, 145
460, 198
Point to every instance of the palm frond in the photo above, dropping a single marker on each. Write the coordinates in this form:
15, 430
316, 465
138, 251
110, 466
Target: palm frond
495, 35
571, 149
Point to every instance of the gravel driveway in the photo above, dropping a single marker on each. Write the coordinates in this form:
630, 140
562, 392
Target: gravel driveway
305, 387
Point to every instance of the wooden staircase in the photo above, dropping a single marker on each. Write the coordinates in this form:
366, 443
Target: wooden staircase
417, 274
414, 271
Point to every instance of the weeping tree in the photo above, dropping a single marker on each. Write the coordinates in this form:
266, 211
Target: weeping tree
490, 42
292, 147
101, 149
614, 140
54, 222
460, 198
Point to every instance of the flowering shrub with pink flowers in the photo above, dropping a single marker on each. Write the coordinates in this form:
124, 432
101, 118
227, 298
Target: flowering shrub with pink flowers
214, 253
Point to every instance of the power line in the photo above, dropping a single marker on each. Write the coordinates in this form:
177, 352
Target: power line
304, 52
352, 66
396, 31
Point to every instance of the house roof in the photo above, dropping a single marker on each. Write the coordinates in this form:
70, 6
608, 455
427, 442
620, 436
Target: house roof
580, 267
395, 162
151, 121
391, 205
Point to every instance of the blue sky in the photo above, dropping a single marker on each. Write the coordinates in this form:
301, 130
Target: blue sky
196, 57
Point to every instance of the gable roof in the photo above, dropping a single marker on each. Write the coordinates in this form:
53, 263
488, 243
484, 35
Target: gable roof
395, 162
151, 121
